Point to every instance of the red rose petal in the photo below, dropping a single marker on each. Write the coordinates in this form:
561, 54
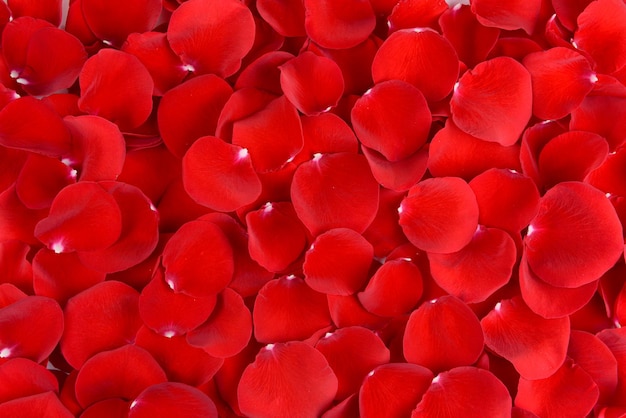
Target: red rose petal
198, 260
17, 222
516, 333
203, 42
568, 10
516, 14
416, 14
100, 378
610, 176
40, 180
439, 215
191, 110
326, 133
287, 380
603, 114
393, 390
479, 269
286, 309
397, 175
49, 10
599, 26
103, 317
420, 57
350, 193
561, 79
264, 73
285, 17
115, 85
276, 236
553, 245
493, 101
15, 266
21, 378
352, 353
615, 339
112, 407
16, 36
31, 407
172, 399
392, 118
228, 329
9, 294
338, 25
442, 334
465, 391
570, 391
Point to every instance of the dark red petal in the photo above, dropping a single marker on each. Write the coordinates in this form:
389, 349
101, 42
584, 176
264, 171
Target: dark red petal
116, 86
493, 101
352, 353
103, 317
604, 115
453, 152
41, 179
465, 391
49, 10
568, 10
100, 378
286, 309
83, 216
199, 36
515, 14
392, 390
516, 333
228, 329
393, 118
416, 14
198, 260
21, 377
441, 334
397, 175
112, 407
77, 26
338, 25
172, 399
615, 339
276, 236
155, 53
575, 237
220, 175
61, 276
506, 199
421, 57
475, 272
180, 361
570, 391
32, 406
168, 313
287, 380
350, 193
99, 148
338, 262
600, 25
139, 236
17, 222
347, 311
439, 215
28, 124
285, 17
471, 40
561, 78
273, 135
15, 266
191, 110
312, 83
610, 177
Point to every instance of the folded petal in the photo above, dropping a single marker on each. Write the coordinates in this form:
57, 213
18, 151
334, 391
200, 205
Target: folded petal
338, 25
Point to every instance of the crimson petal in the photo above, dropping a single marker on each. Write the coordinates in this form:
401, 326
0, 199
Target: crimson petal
604, 114
615, 339
397, 175
40, 180
49, 10
21, 377
326, 133
264, 72
285, 17
347, 311
610, 176
32, 406
172, 399
338, 25
112, 407
416, 14
515, 14
16, 266
17, 222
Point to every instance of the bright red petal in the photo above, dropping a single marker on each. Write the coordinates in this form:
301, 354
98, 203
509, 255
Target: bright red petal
615, 339
40, 180
416, 14
338, 25
397, 175
515, 14
32, 406
285, 17
172, 399
21, 377
49, 10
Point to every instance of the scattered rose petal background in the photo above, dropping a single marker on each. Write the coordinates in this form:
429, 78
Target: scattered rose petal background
312, 208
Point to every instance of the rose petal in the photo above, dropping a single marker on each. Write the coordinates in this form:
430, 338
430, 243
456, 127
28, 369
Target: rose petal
603, 114
416, 14
171, 399
21, 378
111, 407
397, 175
40, 180
15, 266
517, 14
285, 17
31, 406
17, 222
615, 339
49, 10
338, 25
609, 177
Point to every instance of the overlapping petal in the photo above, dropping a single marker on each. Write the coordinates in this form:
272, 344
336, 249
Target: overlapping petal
338, 25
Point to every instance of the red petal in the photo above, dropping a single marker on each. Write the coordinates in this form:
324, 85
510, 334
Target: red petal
442, 334
198, 260
397, 175
599, 26
326, 133
40, 180
32, 406
516, 333
264, 73
191, 110
15, 266
285, 17
475, 272
615, 339
21, 377
493, 101
113, 407
352, 353
17, 222
312, 83
347, 311
103, 317
416, 14
83, 216
568, 10
287, 309
49, 10
116, 86
9, 294
77, 26
568, 392
15, 39
228, 329
604, 115
554, 246
350, 193
338, 25
515, 14
198, 35
392, 390
439, 215
465, 391
276, 236
172, 399
392, 118
287, 380
349, 407
419, 56
561, 79
242, 104
100, 378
